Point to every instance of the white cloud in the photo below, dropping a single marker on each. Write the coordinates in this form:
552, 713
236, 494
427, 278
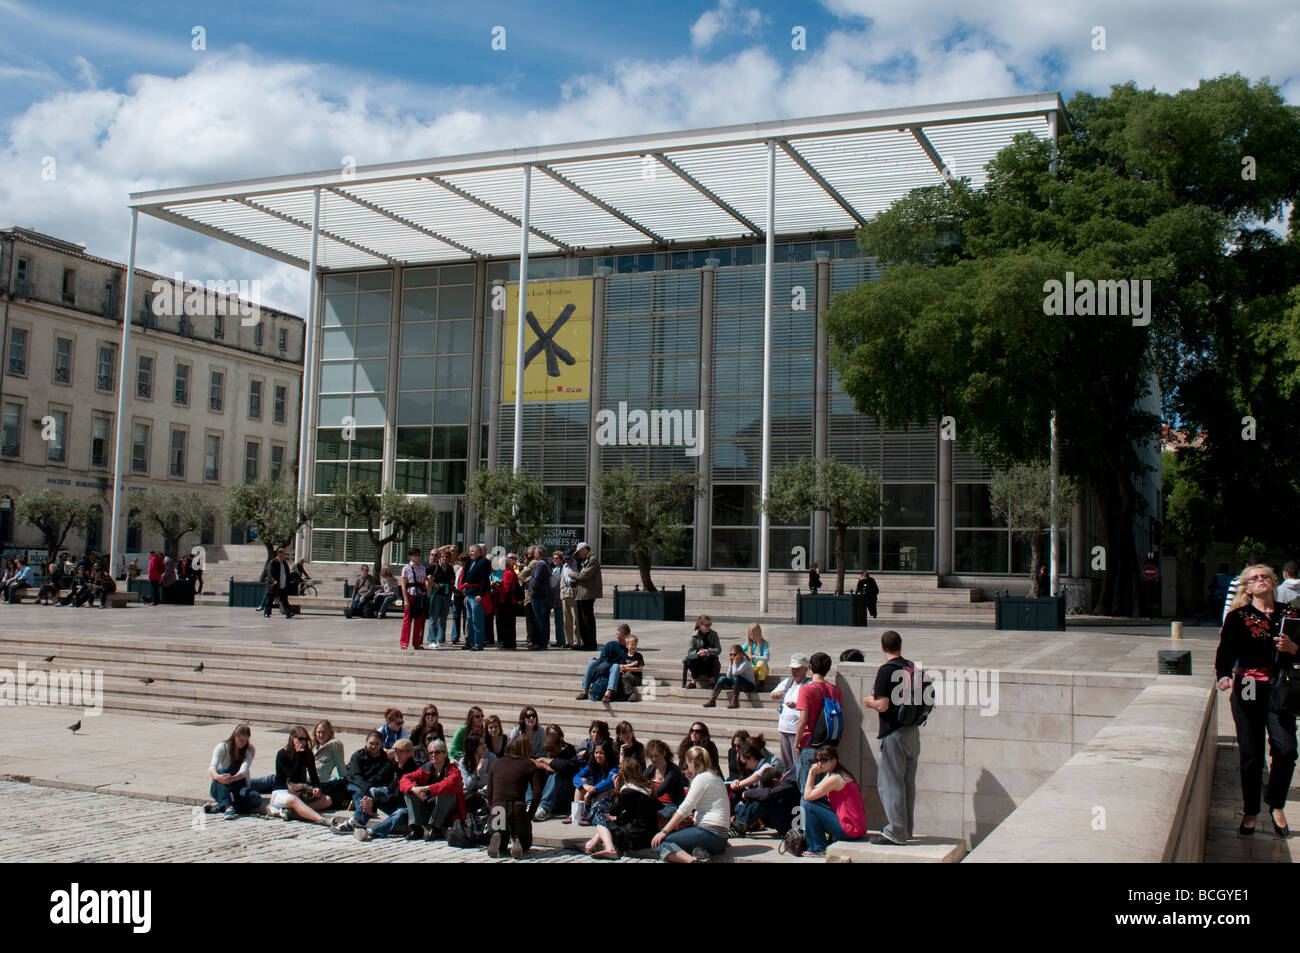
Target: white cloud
86, 72
727, 17
234, 116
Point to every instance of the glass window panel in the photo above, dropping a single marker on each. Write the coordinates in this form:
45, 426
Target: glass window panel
783, 541
981, 551
450, 442
455, 337
456, 301
372, 376
371, 342
447, 477
734, 505
419, 277
368, 444
909, 504
415, 373
360, 548
334, 409
367, 472
413, 477
335, 283
336, 378
326, 546
419, 305
451, 407
975, 505
413, 443
369, 410
330, 477
908, 550
415, 408
861, 550
339, 343
374, 308
375, 281
340, 310
456, 275
418, 338
734, 549
452, 372
330, 445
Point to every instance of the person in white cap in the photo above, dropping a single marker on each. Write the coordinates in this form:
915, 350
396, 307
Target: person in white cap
586, 590
788, 694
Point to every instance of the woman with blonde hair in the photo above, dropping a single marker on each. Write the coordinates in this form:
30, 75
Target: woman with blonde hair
1253, 650
759, 652
707, 804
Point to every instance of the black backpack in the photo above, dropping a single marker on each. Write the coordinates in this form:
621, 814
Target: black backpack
913, 708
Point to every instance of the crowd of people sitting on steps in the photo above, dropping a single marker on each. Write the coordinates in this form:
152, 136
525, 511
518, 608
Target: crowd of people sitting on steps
87, 581
478, 786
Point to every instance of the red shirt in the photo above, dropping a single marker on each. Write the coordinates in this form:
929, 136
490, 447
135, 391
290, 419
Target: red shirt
811, 698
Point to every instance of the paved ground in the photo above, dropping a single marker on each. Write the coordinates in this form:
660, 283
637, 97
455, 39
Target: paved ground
1223, 845
48, 825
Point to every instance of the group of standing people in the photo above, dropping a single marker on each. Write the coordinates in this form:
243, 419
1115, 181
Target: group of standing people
539, 585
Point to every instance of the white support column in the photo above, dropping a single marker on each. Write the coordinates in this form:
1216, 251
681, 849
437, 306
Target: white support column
119, 487
770, 253
1056, 476
519, 335
306, 421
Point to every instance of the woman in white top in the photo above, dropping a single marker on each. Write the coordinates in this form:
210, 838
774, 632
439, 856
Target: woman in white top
706, 801
232, 760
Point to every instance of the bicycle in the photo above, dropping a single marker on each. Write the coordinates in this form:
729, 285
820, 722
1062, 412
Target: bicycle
308, 589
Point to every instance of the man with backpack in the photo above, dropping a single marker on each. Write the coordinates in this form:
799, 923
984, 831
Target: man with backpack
821, 720
901, 704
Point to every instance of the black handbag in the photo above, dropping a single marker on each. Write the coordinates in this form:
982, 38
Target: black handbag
1285, 695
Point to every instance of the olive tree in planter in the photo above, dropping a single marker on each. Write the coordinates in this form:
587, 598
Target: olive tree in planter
55, 515
404, 517
272, 505
651, 512
849, 496
1023, 492
514, 502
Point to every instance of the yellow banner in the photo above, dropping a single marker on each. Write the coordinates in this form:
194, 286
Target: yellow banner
557, 342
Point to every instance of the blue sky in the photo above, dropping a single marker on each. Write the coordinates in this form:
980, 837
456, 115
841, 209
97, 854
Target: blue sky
117, 96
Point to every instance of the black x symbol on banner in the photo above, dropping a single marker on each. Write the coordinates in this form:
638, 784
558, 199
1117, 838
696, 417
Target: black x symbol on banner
546, 342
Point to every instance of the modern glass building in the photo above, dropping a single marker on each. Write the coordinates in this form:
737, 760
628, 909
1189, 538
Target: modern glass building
644, 292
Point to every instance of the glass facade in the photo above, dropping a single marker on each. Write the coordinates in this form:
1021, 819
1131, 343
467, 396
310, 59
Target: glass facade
412, 382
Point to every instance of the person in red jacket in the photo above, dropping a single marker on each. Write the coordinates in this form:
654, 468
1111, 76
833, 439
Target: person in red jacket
435, 795
155, 575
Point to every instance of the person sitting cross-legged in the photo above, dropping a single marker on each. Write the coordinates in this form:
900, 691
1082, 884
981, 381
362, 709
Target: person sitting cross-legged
232, 760
374, 778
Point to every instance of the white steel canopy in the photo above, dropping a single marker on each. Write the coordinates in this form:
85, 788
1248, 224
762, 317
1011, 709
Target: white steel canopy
833, 173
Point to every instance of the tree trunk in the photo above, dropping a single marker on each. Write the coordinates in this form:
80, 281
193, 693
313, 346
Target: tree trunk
377, 568
841, 530
1035, 560
642, 560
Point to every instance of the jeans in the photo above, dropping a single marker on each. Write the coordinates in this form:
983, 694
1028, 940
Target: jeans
438, 619
385, 602
263, 785
238, 795
557, 793
802, 766
542, 619
385, 828
688, 838
728, 682
385, 800
474, 621
821, 826
559, 623
594, 674
896, 781
1255, 721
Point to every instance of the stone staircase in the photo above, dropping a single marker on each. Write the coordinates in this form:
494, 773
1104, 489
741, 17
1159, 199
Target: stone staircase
275, 686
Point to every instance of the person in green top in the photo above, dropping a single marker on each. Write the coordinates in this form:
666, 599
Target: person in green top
473, 726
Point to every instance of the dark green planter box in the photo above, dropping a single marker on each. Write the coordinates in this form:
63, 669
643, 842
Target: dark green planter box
246, 595
1030, 615
141, 585
662, 606
348, 589
849, 609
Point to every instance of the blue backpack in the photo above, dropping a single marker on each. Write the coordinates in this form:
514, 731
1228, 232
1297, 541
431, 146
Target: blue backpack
830, 722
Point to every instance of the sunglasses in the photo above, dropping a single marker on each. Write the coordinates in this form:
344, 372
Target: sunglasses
530, 715
697, 731
1259, 578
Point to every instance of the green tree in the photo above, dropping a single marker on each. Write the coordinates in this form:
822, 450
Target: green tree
849, 496
386, 517
1189, 513
651, 511
516, 503
1148, 187
173, 516
272, 505
55, 515
1024, 493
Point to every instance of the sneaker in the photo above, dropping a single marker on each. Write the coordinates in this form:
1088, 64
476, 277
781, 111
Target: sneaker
361, 834
542, 815
212, 808
494, 845
230, 814
516, 848
701, 855
342, 825
279, 812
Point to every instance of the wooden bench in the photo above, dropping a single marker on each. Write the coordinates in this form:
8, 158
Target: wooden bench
120, 600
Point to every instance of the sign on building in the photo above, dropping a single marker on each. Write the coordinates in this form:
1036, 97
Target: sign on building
557, 342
